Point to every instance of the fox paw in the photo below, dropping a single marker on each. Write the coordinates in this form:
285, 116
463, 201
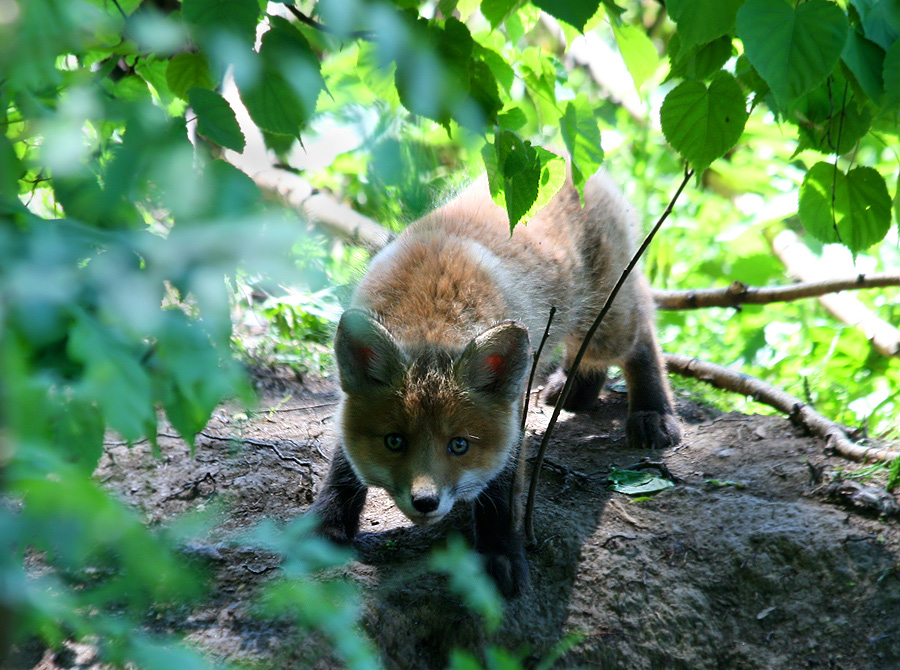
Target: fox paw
652, 430
584, 392
509, 572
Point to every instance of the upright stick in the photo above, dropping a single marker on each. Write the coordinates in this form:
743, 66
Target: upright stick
573, 369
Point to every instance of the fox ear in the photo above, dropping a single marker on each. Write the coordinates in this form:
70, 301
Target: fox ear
367, 354
497, 360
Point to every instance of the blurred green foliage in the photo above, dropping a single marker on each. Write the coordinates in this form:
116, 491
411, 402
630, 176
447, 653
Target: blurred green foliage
126, 241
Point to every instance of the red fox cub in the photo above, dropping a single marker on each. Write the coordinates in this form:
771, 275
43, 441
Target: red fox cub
434, 353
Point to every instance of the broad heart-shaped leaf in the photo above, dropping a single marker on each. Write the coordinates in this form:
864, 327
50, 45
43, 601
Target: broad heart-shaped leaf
581, 135
496, 10
522, 178
215, 119
702, 21
187, 70
865, 60
703, 123
238, 17
794, 50
574, 12
833, 120
891, 76
272, 104
697, 62
880, 20
637, 51
853, 209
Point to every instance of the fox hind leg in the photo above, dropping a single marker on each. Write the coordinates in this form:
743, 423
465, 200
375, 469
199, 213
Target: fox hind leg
651, 420
585, 389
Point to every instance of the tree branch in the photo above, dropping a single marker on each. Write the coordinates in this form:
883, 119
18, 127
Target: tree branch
739, 294
798, 411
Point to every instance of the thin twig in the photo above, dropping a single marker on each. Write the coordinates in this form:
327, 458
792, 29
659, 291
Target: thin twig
573, 369
322, 28
534, 363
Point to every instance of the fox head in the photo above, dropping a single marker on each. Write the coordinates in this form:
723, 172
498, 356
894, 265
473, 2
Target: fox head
429, 425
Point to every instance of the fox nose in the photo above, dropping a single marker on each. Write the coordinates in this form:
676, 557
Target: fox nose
425, 503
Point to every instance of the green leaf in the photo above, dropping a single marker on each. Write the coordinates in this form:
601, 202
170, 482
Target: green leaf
467, 577
637, 482
216, 120
702, 21
114, 379
378, 79
638, 51
187, 71
880, 19
502, 71
865, 60
792, 49
702, 123
186, 356
698, 62
832, 121
853, 209
891, 76
286, 49
497, 10
582, 139
574, 12
10, 171
522, 178
513, 119
238, 17
272, 104
79, 426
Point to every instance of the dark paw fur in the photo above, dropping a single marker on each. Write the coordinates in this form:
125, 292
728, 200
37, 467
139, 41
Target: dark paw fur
652, 430
583, 394
509, 572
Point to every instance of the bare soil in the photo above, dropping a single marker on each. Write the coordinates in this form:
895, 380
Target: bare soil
744, 565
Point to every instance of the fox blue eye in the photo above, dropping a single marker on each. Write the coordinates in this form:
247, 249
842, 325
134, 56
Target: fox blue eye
458, 446
395, 442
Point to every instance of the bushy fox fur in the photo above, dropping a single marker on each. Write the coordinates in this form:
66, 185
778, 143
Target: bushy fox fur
434, 353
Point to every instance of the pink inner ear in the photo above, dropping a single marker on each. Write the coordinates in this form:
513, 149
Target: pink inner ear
365, 355
495, 364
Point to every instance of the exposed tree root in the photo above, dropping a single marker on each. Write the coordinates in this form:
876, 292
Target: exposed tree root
798, 411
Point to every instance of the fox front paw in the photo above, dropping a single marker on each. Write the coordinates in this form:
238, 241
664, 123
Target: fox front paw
652, 430
509, 572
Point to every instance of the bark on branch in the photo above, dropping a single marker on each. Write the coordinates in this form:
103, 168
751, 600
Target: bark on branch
740, 294
798, 411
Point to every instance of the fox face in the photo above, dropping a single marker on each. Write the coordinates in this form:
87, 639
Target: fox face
428, 424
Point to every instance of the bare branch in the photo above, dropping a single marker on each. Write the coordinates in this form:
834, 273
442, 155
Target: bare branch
739, 294
798, 411
573, 368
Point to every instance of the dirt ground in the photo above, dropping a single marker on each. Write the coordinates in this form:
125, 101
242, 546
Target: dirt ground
744, 565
